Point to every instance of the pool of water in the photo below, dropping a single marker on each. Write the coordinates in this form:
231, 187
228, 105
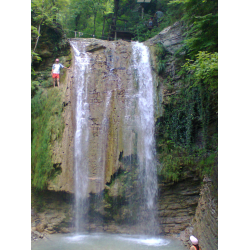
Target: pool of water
105, 242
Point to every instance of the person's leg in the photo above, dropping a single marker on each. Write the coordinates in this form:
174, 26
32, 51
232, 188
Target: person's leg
55, 80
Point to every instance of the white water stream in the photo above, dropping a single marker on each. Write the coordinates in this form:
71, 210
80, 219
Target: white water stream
139, 117
146, 140
81, 68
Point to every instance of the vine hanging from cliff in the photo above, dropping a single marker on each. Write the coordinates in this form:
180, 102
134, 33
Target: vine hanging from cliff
187, 132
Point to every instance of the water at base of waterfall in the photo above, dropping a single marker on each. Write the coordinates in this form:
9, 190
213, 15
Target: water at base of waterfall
104, 241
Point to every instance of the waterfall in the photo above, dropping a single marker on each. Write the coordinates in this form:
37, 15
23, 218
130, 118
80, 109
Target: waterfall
146, 140
81, 68
122, 124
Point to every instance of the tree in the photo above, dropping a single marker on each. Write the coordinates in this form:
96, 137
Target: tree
201, 17
43, 12
95, 7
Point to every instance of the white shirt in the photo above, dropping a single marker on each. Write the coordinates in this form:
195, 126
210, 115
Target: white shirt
56, 68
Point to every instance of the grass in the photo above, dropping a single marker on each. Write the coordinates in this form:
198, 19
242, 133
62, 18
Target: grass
47, 125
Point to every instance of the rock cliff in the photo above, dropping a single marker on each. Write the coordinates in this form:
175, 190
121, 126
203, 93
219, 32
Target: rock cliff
204, 224
178, 202
62, 150
183, 207
107, 84
110, 80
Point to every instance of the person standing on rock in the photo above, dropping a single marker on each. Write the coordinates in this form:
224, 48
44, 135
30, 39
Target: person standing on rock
195, 242
55, 72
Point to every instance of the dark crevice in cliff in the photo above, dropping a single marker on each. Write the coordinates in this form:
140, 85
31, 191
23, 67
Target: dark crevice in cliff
115, 175
42, 200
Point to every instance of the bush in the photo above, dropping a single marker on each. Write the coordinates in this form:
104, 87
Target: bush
34, 88
204, 69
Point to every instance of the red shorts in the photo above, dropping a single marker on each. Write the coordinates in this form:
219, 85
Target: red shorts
55, 76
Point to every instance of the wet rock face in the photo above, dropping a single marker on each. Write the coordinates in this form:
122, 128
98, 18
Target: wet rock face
177, 203
107, 85
110, 82
94, 46
172, 40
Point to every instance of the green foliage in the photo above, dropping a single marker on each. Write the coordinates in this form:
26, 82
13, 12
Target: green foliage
204, 69
46, 126
45, 11
162, 58
86, 17
184, 137
172, 13
183, 133
160, 51
34, 88
34, 32
44, 24
95, 7
172, 158
206, 164
203, 34
161, 66
93, 17
42, 12
36, 56
175, 159
201, 19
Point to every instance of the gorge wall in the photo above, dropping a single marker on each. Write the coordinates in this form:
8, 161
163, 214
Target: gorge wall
184, 207
110, 80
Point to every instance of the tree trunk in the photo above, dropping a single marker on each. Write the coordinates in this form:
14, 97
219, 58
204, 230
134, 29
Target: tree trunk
103, 27
94, 24
37, 39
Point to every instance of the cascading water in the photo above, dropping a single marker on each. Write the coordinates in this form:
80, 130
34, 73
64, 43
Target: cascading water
103, 141
146, 140
81, 69
138, 134
114, 150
